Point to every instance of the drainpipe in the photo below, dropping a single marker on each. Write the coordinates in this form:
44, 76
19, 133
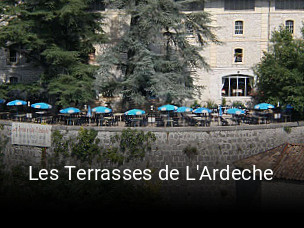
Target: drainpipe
269, 7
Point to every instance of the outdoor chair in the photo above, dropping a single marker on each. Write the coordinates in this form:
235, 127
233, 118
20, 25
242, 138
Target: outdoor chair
128, 122
208, 122
159, 122
175, 122
236, 120
192, 122
253, 120
224, 122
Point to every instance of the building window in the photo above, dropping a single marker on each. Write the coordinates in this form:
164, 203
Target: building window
289, 4
12, 56
238, 55
236, 85
191, 6
239, 4
97, 5
289, 25
13, 80
238, 28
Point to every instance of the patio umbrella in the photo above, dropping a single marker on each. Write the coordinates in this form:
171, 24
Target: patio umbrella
16, 103
184, 109
167, 107
202, 110
101, 109
69, 110
134, 112
41, 106
263, 106
235, 111
89, 113
220, 111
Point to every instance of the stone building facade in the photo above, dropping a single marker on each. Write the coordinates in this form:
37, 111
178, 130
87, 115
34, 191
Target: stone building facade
243, 26
14, 68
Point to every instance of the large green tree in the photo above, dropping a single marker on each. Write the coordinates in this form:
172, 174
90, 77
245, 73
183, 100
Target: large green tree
155, 56
58, 35
280, 74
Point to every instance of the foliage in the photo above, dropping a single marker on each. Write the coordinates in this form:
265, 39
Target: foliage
33, 92
287, 129
3, 142
190, 151
211, 104
238, 104
57, 36
195, 104
86, 148
224, 102
129, 145
60, 144
280, 74
154, 58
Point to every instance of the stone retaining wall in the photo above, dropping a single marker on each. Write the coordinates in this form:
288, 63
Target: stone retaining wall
217, 147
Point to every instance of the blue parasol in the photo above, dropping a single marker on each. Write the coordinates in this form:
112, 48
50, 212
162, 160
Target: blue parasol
235, 111
89, 113
16, 103
101, 109
202, 110
69, 110
184, 109
220, 111
167, 107
41, 106
134, 112
263, 106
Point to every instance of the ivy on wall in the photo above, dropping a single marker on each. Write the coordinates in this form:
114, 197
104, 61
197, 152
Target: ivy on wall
129, 145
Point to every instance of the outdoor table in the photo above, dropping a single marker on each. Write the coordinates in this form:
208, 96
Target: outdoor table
135, 122
215, 117
4, 115
118, 116
168, 121
201, 120
108, 120
286, 117
99, 121
191, 115
43, 119
40, 113
20, 117
258, 119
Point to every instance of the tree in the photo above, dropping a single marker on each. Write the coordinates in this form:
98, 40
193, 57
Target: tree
280, 74
155, 57
58, 35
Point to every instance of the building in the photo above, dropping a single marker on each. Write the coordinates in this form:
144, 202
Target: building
14, 68
244, 27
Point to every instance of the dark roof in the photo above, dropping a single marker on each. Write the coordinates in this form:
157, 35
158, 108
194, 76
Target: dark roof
286, 161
